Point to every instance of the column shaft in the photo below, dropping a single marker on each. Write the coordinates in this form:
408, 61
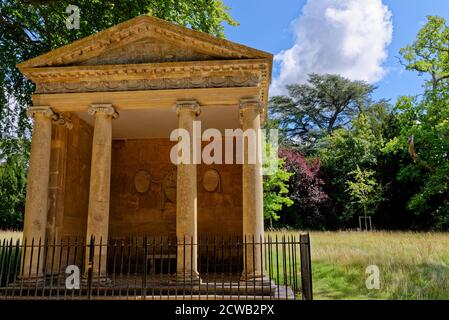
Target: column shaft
100, 182
252, 185
36, 206
186, 200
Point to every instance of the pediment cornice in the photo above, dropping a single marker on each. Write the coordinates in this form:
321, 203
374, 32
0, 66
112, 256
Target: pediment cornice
86, 65
137, 29
148, 71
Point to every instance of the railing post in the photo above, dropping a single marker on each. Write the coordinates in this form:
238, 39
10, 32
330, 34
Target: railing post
90, 271
145, 261
306, 267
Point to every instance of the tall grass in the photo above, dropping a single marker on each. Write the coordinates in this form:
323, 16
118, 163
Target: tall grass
10, 254
412, 265
10, 234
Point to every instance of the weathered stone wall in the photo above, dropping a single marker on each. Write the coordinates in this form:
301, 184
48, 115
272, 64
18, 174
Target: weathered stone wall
77, 179
143, 193
56, 186
220, 212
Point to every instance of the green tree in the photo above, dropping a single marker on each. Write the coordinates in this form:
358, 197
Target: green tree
364, 190
424, 142
423, 137
13, 166
275, 191
341, 154
429, 53
317, 108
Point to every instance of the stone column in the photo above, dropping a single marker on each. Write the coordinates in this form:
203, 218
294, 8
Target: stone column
186, 199
252, 186
100, 182
36, 206
56, 187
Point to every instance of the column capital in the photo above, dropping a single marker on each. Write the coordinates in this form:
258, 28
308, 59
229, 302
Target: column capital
103, 108
188, 105
250, 103
46, 111
65, 121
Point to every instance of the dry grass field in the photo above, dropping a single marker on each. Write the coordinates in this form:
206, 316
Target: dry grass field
8, 235
412, 265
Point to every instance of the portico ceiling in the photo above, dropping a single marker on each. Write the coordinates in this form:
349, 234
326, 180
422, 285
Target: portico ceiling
159, 122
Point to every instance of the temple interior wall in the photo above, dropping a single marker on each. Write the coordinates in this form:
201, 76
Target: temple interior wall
77, 178
143, 188
143, 192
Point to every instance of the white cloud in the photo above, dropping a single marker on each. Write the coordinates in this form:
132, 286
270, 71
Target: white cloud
348, 37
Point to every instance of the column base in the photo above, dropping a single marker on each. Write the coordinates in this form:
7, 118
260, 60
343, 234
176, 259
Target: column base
258, 279
189, 278
97, 280
40, 278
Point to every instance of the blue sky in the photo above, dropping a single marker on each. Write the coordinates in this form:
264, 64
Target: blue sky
269, 25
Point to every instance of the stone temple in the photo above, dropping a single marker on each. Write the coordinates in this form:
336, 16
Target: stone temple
104, 108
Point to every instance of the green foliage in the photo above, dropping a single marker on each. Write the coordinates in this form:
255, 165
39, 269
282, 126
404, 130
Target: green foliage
429, 53
313, 110
392, 163
427, 121
344, 153
275, 191
364, 190
13, 166
352, 148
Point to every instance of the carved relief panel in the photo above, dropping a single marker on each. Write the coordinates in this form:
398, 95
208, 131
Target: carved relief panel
163, 189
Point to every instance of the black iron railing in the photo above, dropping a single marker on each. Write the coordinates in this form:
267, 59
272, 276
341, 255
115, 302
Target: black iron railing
276, 267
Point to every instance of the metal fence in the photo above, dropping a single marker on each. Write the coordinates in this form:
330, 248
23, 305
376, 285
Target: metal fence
157, 268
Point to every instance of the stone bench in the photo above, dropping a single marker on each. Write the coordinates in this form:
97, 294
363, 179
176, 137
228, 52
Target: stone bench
159, 256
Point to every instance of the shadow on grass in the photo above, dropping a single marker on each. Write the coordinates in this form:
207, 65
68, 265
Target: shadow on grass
333, 282
425, 281
416, 282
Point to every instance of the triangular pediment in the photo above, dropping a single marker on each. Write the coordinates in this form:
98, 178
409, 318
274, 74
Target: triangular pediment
144, 39
147, 50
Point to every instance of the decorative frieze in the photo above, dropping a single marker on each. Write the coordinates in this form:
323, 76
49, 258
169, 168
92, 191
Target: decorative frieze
149, 84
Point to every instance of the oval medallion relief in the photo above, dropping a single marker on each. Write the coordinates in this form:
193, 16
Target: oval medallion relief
211, 180
169, 185
142, 181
